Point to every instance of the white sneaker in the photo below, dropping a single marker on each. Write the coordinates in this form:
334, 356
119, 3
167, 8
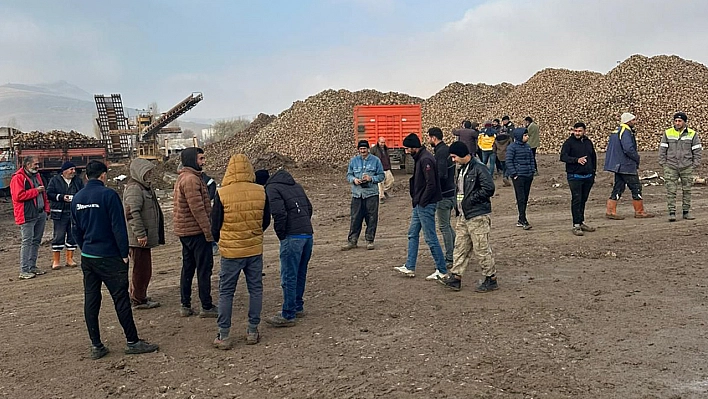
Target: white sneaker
403, 269
435, 276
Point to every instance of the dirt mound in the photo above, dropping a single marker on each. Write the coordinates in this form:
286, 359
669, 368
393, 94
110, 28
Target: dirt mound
319, 130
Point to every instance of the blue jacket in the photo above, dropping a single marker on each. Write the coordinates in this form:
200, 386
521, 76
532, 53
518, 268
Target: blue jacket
519, 157
99, 223
622, 155
372, 167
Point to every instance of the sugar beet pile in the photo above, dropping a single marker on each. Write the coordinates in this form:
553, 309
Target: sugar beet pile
319, 130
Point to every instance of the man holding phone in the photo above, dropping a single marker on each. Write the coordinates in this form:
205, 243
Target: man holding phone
29, 200
364, 173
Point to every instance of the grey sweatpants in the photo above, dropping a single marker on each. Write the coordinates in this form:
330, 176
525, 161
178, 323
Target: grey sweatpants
228, 278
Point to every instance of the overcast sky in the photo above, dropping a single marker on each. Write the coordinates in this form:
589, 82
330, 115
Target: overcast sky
260, 56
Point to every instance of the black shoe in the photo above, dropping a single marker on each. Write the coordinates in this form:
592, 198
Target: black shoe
139, 347
280, 321
489, 284
451, 281
98, 352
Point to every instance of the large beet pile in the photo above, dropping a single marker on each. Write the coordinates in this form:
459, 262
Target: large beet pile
319, 130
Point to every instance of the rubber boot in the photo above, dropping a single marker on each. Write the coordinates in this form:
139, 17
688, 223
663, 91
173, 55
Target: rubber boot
611, 212
639, 211
70, 258
56, 260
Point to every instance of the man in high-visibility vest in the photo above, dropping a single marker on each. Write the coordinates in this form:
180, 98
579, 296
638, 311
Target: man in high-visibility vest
679, 154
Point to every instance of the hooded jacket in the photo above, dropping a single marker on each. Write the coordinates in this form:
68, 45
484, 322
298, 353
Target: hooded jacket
622, 155
142, 210
192, 207
679, 150
27, 202
289, 205
519, 157
486, 139
241, 212
57, 189
425, 182
501, 143
574, 149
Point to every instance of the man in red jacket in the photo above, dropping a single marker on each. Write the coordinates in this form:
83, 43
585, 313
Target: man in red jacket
31, 207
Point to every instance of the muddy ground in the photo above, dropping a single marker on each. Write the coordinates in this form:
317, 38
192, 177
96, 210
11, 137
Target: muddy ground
618, 313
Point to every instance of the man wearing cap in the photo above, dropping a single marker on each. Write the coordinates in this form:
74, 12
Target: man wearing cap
622, 159
425, 193
61, 191
380, 150
679, 153
364, 173
475, 188
30, 205
468, 135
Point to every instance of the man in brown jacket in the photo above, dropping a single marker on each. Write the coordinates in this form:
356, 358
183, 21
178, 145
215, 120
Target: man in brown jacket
146, 229
192, 211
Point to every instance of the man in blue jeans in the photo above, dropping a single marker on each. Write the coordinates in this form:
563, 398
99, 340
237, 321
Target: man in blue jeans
425, 193
238, 218
291, 210
446, 173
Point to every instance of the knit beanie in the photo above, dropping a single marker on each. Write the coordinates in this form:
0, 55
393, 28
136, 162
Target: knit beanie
412, 141
626, 117
681, 115
362, 143
67, 165
459, 149
262, 176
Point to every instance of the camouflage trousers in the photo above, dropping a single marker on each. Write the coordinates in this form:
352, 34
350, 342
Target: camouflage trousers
672, 176
472, 238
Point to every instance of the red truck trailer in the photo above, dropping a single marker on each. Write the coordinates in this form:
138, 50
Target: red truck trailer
394, 123
51, 157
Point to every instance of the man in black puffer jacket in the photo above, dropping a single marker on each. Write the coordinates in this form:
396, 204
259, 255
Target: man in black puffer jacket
580, 159
475, 187
291, 211
61, 190
520, 166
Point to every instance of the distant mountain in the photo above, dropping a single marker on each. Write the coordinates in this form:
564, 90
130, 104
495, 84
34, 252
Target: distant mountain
57, 105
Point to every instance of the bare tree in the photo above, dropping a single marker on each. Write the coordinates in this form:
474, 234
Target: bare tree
154, 109
227, 128
187, 133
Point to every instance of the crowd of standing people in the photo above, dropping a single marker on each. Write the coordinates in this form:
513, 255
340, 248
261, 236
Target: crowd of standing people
456, 179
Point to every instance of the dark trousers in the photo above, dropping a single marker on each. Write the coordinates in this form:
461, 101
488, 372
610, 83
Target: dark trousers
294, 256
535, 165
142, 273
114, 273
623, 180
579, 193
364, 209
62, 234
196, 256
522, 188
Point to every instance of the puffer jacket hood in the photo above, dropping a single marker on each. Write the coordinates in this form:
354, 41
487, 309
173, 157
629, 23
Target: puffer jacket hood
188, 156
239, 169
283, 177
518, 134
139, 168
